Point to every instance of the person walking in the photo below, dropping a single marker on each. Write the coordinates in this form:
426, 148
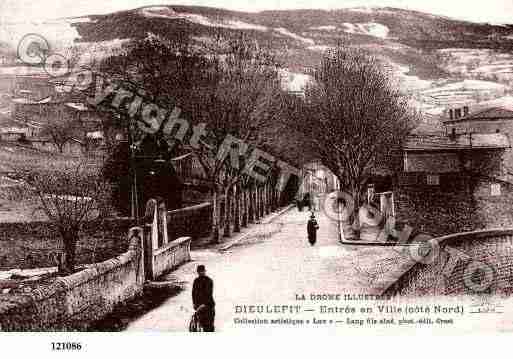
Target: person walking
312, 228
316, 202
307, 201
203, 299
299, 203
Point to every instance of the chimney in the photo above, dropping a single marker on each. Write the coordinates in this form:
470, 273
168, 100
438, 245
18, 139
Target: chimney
465, 110
457, 113
451, 114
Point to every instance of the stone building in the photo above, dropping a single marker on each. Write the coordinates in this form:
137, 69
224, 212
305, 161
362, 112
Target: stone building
454, 183
488, 120
71, 147
47, 110
32, 86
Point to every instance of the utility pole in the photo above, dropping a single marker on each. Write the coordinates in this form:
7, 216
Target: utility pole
134, 202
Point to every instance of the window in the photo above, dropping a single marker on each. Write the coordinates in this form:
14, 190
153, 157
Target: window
433, 180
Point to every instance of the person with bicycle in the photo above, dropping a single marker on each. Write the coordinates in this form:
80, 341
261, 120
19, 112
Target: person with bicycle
203, 299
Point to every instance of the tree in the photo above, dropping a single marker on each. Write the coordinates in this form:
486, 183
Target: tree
160, 71
81, 131
356, 119
69, 196
57, 127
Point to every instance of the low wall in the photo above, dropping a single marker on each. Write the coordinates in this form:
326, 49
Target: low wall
194, 222
163, 252
461, 203
453, 271
36, 244
76, 301
171, 256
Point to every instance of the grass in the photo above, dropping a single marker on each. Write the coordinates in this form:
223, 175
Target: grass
13, 156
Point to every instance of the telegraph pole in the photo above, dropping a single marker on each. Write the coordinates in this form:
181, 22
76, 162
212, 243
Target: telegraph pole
134, 202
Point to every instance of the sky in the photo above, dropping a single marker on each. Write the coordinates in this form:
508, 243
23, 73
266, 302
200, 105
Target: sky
492, 11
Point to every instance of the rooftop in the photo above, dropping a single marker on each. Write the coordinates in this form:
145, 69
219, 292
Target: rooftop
77, 106
473, 141
492, 113
26, 101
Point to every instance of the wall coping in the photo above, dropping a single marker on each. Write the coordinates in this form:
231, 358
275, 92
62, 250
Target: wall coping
191, 208
50, 223
176, 243
474, 234
63, 284
440, 240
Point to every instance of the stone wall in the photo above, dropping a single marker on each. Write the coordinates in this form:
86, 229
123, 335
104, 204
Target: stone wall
170, 256
453, 271
76, 301
194, 222
459, 203
36, 244
493, 211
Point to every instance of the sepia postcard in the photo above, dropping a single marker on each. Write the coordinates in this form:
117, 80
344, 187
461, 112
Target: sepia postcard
244, 167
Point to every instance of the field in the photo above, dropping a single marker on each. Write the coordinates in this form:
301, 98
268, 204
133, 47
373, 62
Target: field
14, 206
13, 156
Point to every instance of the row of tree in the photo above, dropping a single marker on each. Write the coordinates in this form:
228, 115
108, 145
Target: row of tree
234, 90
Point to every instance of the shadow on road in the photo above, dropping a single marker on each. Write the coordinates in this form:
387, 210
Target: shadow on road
126, 313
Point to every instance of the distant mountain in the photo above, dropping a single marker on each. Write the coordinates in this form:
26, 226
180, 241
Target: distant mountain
304, 26
408, 39
424, 51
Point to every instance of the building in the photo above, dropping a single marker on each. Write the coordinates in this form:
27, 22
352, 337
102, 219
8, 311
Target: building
72, 147
48, 109
33, 86
454, 183
12, 135
294, 82
12, 130
317, 179
488, 120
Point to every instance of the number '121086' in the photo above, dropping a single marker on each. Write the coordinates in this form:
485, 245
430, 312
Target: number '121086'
66, 346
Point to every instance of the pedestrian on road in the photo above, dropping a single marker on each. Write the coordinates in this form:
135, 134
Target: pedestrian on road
299, 203
203, 299
316, 203
307, 201
312, 228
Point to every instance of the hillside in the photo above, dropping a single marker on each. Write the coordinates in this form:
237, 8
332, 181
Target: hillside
423, 51
318, 27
